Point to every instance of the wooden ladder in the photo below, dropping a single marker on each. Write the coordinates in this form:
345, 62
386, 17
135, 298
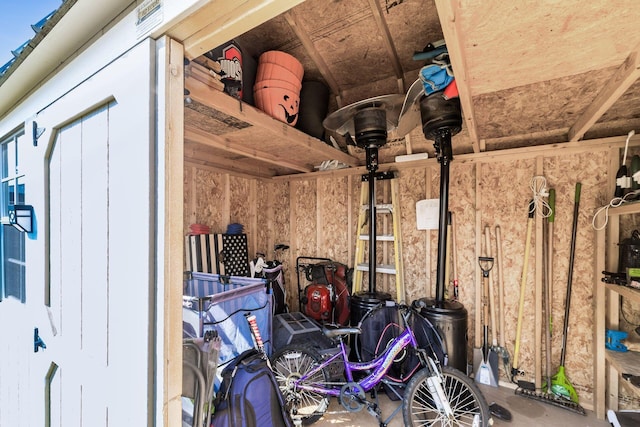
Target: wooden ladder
392, 209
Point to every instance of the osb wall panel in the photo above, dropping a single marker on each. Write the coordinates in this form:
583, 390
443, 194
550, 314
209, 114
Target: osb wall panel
304, 217
263, 220
333, 199
432, 235
356, 186
277, 229
208, 195
551, 108
187, 197
241, 204
273, 217
562, 174
462, 205
412, 188
317, 218
331, 24
504, 199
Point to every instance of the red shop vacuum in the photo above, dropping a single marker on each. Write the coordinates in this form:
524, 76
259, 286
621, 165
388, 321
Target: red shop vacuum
325, 297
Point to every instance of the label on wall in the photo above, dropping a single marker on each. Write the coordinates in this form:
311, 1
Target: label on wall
428, 214
148, 16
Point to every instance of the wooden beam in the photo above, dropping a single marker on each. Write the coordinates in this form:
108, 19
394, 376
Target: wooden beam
172, 267
407, 143
549, 150
307, 43
388, 41
227, 168
226, 104
477, 298
199, 154
453, 36
220, 27
538, 284
216, 141
623, 78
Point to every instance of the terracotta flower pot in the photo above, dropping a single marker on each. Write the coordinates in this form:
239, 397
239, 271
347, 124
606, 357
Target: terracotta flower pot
281, 104
271, 71
283, 59
284, 84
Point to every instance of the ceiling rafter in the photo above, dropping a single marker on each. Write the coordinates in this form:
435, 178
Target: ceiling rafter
307, 43
455, 45
623, 78
388, 41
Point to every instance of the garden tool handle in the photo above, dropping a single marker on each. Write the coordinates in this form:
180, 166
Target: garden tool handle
523, 283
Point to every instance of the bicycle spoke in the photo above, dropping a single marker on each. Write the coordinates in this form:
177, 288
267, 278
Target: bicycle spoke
290, 366
465, 400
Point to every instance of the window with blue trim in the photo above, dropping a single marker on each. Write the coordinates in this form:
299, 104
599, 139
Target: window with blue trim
12, 241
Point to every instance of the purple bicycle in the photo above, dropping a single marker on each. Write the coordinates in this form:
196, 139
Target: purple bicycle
434, 395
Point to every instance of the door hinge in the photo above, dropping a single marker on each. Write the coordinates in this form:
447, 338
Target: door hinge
37, 341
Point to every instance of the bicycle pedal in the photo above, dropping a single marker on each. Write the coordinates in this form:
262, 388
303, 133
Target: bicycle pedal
374, 410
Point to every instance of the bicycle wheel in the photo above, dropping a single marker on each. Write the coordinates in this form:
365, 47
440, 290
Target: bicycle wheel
292, 363
467, 402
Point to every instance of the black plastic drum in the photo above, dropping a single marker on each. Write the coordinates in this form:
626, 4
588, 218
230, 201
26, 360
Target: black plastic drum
382, 325
450, 319
362, 302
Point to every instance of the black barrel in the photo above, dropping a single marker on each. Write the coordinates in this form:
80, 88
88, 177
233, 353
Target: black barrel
450, 319
314, 104
362, 302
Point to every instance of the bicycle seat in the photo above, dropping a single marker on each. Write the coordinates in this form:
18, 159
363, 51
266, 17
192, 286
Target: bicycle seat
337, 332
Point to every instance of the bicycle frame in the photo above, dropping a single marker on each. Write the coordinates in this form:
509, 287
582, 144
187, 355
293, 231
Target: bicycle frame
380, 366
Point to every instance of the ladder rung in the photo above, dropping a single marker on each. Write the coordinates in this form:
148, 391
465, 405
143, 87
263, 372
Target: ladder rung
380, 268
385, 208
379, 237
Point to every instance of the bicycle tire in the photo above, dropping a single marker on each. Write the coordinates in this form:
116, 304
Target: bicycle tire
466, 400
290, 363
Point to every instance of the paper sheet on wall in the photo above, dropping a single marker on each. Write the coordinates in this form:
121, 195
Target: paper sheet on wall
428, 214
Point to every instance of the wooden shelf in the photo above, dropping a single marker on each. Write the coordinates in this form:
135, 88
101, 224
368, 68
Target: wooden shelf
627, 362
608, 365
625, 209
625, 291
630, 388
223, 132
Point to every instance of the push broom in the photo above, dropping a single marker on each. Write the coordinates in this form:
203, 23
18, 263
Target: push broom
560, 385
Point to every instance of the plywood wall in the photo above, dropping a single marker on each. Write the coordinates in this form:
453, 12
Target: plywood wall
317, 218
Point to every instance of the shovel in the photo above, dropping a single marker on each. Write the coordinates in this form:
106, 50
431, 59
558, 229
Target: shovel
491, 300
501, 349
487, 373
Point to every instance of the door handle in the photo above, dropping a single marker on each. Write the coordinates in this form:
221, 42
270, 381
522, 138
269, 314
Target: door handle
37, 341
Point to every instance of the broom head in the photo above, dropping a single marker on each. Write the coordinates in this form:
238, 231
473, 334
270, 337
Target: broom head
560, 386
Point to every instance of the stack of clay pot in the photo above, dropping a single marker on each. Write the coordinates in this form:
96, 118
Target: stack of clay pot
277, 87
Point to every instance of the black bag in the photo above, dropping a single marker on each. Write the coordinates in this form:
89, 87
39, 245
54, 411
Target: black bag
275, 280
629, 252
249, 395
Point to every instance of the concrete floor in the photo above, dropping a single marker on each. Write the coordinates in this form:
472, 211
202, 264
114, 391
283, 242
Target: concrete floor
525, 412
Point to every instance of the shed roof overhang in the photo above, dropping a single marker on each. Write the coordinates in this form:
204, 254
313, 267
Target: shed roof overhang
73, 24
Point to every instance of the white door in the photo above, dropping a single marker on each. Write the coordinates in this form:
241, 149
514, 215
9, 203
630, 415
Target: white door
96, 232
